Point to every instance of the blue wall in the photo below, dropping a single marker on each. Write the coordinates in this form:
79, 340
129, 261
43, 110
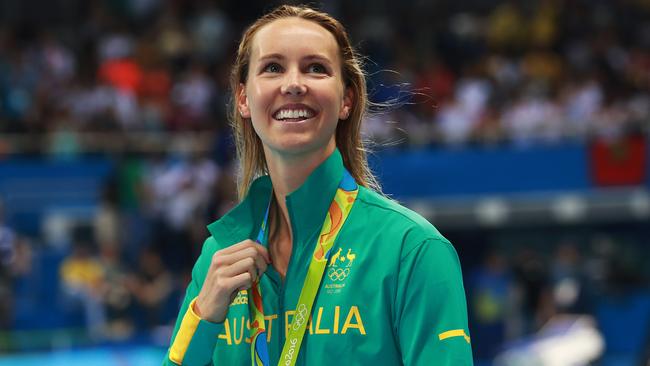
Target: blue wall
30, 188
473, 171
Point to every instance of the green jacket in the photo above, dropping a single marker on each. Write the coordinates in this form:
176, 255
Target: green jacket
392, 293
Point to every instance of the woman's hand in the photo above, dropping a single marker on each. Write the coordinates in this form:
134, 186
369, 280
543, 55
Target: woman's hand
232, 269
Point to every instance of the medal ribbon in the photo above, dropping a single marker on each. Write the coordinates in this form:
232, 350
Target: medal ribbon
334, 220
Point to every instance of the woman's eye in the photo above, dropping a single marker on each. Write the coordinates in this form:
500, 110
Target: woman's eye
317, 68
272, 67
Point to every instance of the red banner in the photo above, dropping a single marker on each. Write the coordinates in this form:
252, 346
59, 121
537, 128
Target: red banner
619, 162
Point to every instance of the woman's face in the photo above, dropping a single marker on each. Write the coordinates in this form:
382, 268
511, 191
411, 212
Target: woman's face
295, 93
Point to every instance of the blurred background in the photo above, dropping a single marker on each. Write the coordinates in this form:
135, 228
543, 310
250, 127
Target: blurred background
519, 128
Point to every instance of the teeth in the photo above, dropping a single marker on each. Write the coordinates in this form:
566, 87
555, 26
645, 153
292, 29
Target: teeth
293, 113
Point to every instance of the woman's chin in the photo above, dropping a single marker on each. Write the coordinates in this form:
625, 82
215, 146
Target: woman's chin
300, 146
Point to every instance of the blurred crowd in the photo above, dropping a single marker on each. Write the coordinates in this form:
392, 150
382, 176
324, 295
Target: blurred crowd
134, 78
516, 72
481, 71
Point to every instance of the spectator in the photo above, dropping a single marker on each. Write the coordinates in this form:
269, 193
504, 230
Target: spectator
533, 117
569, 287
116, 299
82, 280
533, 290
180, 193
491, 293
151, 286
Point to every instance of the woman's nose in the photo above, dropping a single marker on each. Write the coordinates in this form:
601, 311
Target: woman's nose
293, 83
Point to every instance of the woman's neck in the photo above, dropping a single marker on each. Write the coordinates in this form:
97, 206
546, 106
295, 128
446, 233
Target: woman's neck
288, 173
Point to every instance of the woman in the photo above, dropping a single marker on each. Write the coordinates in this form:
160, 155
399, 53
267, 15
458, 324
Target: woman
337, 272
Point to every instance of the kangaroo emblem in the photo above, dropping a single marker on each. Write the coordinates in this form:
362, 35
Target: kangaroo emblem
335, 257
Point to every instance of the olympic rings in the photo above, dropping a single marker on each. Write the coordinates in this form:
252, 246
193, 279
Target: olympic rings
300, 316
338, 274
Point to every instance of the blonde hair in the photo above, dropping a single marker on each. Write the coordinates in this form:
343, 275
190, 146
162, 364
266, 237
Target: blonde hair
348, 133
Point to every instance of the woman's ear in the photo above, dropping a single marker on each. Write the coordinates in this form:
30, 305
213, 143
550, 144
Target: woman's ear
346, 104
242, 102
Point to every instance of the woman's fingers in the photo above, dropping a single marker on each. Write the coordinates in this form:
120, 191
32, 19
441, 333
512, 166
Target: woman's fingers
237, 247
228, 260
233, 269
261, 263
247, 264
263, 252
243, 245
246, 249
241, 281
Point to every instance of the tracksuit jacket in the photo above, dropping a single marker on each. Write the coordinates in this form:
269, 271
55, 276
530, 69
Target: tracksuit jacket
392, 293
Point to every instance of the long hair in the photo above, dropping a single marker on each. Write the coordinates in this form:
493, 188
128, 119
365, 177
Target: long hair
250, 152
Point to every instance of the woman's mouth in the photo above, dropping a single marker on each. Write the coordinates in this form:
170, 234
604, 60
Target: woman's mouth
299, 114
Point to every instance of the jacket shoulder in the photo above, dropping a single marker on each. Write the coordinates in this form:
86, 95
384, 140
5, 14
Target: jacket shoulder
396, 220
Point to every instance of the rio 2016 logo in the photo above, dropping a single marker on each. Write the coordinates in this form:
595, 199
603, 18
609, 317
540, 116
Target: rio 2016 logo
292, 349
339, 265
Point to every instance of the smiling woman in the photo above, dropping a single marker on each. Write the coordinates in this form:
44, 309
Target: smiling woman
294, 94
314, 265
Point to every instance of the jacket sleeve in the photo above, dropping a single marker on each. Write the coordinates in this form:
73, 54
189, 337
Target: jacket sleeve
430, 307
194, 339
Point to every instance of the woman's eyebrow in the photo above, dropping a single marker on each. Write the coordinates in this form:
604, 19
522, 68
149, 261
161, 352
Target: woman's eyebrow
272, 56
312, 57
317, 58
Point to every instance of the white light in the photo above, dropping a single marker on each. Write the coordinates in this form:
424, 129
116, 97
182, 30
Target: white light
640, 204
56, 229
566, 292
569, 208
492, 212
